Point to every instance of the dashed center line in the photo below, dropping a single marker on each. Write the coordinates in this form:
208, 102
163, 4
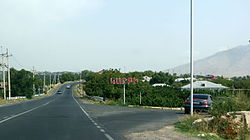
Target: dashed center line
98, 126
108, 136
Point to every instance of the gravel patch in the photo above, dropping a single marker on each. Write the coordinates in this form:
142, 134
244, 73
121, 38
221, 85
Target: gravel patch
166, 133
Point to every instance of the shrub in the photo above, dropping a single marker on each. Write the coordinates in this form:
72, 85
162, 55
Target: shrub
239, 102
225, 127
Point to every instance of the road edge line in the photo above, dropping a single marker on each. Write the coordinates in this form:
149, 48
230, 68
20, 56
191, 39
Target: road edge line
105, 134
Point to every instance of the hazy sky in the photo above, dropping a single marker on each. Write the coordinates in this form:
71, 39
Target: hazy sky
138, 35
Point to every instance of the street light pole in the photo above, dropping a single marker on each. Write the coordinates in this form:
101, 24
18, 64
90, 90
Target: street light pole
124, 91
191, 58
140, 98
44, 83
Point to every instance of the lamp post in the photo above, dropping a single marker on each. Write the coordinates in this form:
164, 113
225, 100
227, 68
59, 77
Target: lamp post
140, 98
191, 58
124, 91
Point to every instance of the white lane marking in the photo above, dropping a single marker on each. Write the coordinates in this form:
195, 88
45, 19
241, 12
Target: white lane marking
102, 130
106, 135
14, 116
81, 107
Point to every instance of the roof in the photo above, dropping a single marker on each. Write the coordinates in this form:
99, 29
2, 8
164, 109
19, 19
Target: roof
181, 79
205, 85
159, 85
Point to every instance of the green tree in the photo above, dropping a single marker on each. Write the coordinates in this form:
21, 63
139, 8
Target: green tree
21, 83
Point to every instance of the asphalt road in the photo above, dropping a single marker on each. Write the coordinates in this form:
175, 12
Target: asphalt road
65, 117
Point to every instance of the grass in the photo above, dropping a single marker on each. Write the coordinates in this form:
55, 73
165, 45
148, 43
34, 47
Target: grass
186, 127
3, 102
217, 129
50, 92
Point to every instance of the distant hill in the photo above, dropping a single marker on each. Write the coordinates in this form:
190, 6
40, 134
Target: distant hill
229, 63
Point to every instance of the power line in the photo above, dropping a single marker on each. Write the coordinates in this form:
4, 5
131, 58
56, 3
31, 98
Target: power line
15, 59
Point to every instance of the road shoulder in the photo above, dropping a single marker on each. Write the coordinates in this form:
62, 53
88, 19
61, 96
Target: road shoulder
165, 133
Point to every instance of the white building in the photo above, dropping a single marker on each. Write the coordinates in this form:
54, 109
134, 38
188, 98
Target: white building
182, 79
159, 85
146, 79
205, 85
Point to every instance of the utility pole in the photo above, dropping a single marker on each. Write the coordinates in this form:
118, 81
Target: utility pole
44, 82
33, 80
124, 92
80, 76
58, 78
50, 81
54, 78
140, 98
8, 67
3, 65
191, 58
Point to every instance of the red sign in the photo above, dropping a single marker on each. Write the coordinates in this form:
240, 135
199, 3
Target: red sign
123, 80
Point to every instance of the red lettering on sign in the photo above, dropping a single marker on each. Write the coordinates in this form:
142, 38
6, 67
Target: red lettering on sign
117, 80
136, 81
123, 80
112, 81
120, 81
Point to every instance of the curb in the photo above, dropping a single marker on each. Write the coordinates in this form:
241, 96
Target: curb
160, 108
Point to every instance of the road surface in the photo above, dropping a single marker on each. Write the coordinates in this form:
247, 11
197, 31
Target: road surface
65, 117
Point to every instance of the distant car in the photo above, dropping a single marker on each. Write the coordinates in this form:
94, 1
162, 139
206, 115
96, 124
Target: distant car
200, 102
59, 92
68, 86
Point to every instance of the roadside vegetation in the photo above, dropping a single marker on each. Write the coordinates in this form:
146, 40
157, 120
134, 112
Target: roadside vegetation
223, 125
98, 84
22, 84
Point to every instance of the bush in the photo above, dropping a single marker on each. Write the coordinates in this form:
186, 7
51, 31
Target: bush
239, 102
226, 128
28, 96
223, 127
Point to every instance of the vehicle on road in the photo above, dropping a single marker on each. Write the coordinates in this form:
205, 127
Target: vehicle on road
200, 102
68, 86
59, 92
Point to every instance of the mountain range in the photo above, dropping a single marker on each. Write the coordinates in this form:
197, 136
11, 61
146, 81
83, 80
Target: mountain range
228, 63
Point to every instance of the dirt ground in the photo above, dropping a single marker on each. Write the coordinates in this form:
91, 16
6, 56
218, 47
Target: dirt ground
166, 133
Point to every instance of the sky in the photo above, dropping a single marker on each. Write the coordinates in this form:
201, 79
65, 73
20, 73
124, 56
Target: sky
131, 35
